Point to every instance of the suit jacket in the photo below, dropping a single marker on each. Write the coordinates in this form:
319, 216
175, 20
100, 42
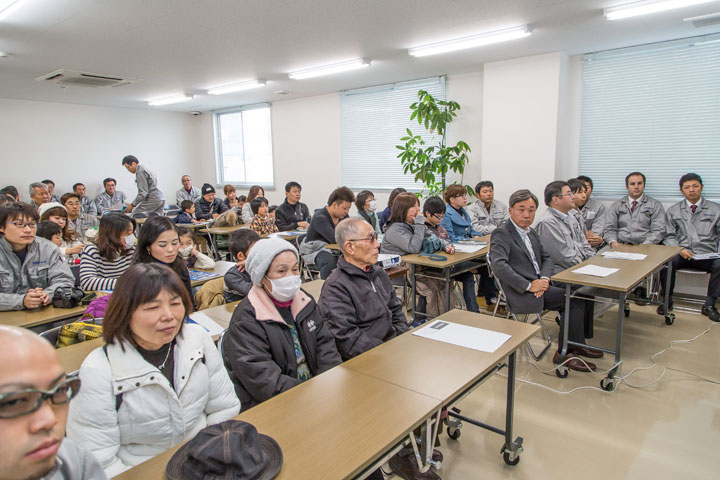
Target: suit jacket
512, 265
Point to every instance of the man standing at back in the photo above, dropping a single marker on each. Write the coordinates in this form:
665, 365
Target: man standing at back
36, 393
149, 197
187, 192
292, 213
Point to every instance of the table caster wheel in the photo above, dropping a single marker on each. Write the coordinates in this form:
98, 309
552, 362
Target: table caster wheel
669, 319
562, 372
510, 458
607, 384
453, 433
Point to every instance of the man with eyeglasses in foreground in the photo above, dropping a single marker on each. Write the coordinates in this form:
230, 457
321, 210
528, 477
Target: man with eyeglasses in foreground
31, 268
34, 398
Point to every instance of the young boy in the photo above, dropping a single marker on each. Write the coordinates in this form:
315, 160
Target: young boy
242, 200
50, 231
262, 223
271, 211
188, 213
193, 257
237, 281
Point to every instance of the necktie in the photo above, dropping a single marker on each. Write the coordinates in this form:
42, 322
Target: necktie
634, 204
693, 208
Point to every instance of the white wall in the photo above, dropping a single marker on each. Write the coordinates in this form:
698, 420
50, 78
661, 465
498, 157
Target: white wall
78, 143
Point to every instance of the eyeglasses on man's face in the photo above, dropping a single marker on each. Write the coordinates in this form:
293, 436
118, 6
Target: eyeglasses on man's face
25, 402
370, 238
438, 216
24, 225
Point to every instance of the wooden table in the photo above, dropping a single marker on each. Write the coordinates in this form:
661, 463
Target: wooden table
49, 314
616, 286
221, 267
449, 372
72, 356
336, 425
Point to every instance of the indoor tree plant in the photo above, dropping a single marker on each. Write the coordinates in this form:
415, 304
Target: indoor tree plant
431, 163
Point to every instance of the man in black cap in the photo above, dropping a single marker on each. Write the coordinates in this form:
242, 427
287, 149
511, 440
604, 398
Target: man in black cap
209, 207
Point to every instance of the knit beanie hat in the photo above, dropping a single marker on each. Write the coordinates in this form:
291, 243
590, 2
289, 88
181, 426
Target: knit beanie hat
47, 206
263, 253
207, 188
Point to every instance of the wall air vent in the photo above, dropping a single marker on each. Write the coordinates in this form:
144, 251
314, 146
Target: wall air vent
84, 79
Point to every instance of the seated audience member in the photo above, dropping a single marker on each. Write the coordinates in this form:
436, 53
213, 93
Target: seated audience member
486, 214
86, 204
523, 266
242, 200
109, 254
694, 224
34, 410
636, 218
51, 190
11, 192
31, 268
292, 213
187, 214
70, 244
209, 207
159, 242
262, 223
366, 207
187, 192
50, 231
237, 279
156, 383
39, 194
246, 212
385, 214
457, 220
582, 212
189, 252
271, 211
593, 210
404, 234
358, 302
150, 199
80, 222
322, 231
111, 198
276, 338
231, 200
433, 211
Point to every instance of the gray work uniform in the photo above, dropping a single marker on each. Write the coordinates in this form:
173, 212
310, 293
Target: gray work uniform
592, 212
183, 194
563, 237
484, 221
74, 463
82, 224
110, 202
644, 225
44, 267
88, 206
149, 197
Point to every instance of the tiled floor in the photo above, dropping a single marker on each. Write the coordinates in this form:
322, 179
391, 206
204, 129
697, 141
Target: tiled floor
670, 429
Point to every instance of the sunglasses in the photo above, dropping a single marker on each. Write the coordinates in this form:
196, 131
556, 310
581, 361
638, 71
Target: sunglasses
25, 402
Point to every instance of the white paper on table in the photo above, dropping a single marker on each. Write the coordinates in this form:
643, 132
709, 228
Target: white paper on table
463, 336
595, 270
624, 255
207, 323
468, 248
706, 256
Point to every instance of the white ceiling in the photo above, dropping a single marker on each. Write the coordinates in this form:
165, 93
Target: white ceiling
188, 46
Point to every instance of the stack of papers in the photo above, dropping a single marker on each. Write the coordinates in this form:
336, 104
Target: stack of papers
463, 336
624, 255
595, 271
469, 248
206, 322
706, 256
199, 275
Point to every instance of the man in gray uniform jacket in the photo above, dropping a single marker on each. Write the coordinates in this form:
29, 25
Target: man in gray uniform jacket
149, 197
187, 192
694, 224
111, 198
35, 393
487, 213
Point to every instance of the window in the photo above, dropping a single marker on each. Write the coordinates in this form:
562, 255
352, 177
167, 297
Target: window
243, 146
653, 109
373, 120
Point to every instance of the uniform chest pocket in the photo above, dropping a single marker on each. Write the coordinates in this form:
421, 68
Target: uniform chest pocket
39, 277
705, 226
6, 280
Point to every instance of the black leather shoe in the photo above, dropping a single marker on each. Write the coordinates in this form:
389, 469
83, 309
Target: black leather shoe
711, 312
661, 309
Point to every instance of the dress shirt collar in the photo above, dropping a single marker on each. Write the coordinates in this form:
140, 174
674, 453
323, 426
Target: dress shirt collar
639, 200
521, 231
699, 203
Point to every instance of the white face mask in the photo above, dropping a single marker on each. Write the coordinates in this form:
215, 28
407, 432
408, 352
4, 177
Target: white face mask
373, 206
284, 289
130, 240
185, 252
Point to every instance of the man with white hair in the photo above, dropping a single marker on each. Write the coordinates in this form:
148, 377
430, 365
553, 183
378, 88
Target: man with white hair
39, 194
35, 394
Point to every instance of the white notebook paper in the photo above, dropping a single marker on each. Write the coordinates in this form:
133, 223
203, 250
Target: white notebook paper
463, 336
624, 255
207, 323
595, 271
468, 248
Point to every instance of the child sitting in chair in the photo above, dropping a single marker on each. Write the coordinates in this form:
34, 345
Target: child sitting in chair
262, 222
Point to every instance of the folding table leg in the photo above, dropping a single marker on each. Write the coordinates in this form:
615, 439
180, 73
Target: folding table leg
669, 317
512, 448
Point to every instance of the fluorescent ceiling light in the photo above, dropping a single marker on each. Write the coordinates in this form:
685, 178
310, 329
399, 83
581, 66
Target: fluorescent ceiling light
169, 100
236, 87
471, 42
329, 69
648, 6
16, 5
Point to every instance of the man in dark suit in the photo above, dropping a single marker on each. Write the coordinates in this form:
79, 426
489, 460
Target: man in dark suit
524, 269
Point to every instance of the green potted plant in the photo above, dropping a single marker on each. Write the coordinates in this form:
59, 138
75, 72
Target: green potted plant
430, 163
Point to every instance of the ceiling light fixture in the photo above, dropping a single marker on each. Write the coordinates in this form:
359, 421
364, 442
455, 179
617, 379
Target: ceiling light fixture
169, 100
329, 69
646, 7
13, 7
236, 87
471, 42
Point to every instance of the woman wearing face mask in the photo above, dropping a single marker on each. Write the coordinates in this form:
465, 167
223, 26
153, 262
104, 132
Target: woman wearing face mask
159, 242
276, 338
109, 254
366, 207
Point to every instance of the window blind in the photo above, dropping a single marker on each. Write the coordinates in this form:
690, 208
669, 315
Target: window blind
653, 109
372, 122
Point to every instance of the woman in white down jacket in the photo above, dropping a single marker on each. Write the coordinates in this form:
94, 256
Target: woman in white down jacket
156, 383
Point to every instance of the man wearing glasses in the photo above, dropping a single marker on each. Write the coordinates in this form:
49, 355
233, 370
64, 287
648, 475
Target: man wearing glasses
34, 399
31, 268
